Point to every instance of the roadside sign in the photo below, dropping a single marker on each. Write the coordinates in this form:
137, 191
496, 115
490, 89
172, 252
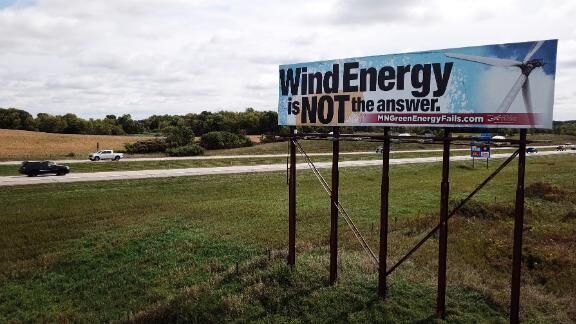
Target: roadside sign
480, 150
486, 136
491, 86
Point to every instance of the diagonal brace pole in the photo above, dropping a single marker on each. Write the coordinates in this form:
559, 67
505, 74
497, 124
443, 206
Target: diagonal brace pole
453, 212
341, 209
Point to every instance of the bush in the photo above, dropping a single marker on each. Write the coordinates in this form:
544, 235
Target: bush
222, 140
570, 215
482, 210
545, 191
156, 145
178, 136
188, 150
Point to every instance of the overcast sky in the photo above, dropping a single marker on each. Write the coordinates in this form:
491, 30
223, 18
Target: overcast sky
146, 57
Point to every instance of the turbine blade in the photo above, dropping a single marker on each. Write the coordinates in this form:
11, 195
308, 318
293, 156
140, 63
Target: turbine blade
507, 102
494, 61
535, 47
527, 96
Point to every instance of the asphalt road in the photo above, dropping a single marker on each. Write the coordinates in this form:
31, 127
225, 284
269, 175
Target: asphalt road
144, 174
220, 157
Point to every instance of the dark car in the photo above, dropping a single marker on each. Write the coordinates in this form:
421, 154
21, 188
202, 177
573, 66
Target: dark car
34, 168
531, 150
380, 149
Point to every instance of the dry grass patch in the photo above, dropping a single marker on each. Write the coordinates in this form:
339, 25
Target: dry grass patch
17, 144
545, 191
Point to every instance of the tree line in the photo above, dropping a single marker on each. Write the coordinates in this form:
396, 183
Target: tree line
248, 122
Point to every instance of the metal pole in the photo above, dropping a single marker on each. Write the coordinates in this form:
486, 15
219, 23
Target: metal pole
443, 240
292, 200
518, 227
452, 213
288, 163
384, 190
334, 207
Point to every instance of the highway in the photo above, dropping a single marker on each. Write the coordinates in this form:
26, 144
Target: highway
145, 174
253, 156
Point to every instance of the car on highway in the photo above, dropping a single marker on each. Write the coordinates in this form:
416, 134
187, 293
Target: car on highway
380, 149
569, 146
34, 168
105, 155
531, 150
560, 148
429, 138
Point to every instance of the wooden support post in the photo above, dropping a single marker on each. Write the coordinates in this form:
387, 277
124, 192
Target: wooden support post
333, 207
384, 190
292, 200
518, 228
443, 239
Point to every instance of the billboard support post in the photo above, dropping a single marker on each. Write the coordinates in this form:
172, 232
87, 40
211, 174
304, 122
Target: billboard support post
292, 200
518, 228
355, 92
443, 239
384, 190
334, 207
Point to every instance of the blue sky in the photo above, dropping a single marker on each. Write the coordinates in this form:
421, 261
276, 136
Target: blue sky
146, 57
6, 3
16, 3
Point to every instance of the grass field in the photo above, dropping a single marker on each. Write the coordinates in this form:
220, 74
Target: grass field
25, 145
356, 146
165, 249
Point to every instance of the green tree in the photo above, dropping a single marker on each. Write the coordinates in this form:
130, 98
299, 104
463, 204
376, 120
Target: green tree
178, 135
12, 118
222, 140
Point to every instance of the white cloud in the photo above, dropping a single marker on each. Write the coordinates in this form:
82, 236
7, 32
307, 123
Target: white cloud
364, 12
178, 56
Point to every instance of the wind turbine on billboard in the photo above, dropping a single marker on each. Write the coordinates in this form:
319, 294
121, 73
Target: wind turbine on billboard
526, 67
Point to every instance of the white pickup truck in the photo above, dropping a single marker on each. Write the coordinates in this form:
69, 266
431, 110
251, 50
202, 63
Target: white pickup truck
105, 155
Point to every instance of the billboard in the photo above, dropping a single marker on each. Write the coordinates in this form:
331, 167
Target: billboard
480, 150
493, 86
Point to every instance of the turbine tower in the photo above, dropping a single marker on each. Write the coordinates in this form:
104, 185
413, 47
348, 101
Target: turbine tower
523, 82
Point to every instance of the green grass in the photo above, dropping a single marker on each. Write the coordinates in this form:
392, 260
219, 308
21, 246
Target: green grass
167, 247
79, 290
359, 146
269, 291
309, 145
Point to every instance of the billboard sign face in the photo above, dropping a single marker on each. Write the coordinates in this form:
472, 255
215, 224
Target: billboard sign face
506, 86
480, 150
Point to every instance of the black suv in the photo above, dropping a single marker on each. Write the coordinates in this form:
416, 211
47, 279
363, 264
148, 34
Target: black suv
34, 168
